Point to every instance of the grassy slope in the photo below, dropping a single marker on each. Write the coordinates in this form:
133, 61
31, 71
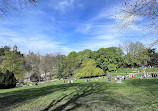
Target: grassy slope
132, 94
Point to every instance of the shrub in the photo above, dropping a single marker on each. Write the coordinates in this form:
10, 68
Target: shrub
7, 80
34, 77
98, 72
78, 75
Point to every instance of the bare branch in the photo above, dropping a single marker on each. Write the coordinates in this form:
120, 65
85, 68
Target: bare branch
141, 12
8, 6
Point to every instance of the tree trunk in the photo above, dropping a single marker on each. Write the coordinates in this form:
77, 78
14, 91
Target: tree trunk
45, 75
50, 75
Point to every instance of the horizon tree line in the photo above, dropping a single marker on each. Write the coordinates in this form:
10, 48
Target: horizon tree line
85, 63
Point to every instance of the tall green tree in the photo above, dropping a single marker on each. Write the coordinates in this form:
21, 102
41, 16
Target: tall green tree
108, 59
153, 57
71, 64
48, 64
44, 65
32, 62
87, 53
89, 69
11, 62
137, 54
59, 64
2, 50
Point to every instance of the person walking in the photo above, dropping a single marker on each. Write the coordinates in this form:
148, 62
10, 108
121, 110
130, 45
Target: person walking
152, 74
155, 75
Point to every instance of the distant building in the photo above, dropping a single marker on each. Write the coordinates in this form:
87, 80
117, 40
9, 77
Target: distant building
15, 48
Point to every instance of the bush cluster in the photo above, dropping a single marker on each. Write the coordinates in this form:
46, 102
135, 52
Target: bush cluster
34, 77
7, 80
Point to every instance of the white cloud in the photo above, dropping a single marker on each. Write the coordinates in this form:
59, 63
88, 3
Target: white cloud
38, 43
84, 28
100, 36
42, 31
65, 5
97, 44
101, 15
105, 37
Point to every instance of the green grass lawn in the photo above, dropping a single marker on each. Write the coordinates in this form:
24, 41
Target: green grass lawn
101, 95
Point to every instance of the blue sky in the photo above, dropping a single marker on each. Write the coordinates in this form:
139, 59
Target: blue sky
62, 26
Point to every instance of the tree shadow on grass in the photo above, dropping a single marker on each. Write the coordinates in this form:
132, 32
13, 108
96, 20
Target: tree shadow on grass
9, 99
82, 95
87, 92
149, 92
146, 84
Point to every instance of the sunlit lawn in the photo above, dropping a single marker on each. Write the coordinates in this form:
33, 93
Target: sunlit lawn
101, 95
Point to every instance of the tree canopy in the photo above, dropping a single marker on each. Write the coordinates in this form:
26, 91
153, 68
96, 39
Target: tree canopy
108, 59
11, 61
89, 69
136, 54
85, 63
